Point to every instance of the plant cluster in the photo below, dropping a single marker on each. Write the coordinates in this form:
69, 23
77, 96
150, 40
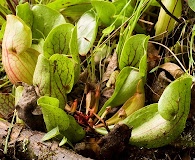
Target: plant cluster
49, 44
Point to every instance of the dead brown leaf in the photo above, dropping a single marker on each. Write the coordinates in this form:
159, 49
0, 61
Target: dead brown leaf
173, 69
111, 67
153, 56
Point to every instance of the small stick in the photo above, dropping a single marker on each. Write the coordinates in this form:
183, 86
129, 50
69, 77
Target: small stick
100, 119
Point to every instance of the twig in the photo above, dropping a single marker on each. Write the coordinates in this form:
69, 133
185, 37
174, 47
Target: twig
105, 125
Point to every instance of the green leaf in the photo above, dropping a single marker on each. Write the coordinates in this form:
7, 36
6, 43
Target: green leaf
126, 32
138, 117
191, 4
175, 100
62, 73
75, 54
51, 134
134, 103
50, 101
41, 76
125, 87
55, 116
7, 102
25, 13
73, 45
75, 132
44, 20
155, 3
62, 4
105, 10
77, 10
120, 4
159, 124
58, 40
63, 40
52, 114
133, 50
143, 61
55, 76
143, 65
63, 141
87, 27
